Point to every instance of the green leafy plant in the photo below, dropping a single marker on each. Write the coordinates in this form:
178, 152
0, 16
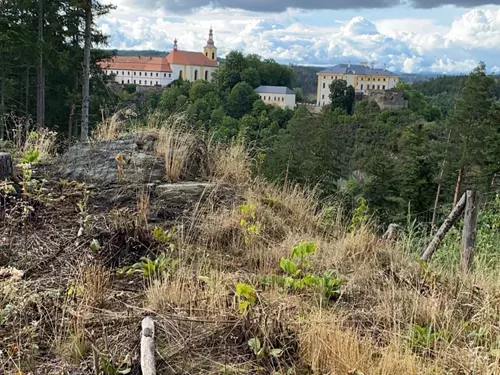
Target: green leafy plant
151, 268
247, 296
263, 351
360, 215
30, 156
109, 367
248, 222
423, 338
163, 236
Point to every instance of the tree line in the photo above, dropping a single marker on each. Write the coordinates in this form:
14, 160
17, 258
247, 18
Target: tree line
48, 55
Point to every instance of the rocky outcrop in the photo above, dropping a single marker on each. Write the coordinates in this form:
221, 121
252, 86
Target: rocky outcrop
130, 159
133, 158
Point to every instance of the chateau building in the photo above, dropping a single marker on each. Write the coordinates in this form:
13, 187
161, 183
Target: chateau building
162, 71
362, 77
280, 96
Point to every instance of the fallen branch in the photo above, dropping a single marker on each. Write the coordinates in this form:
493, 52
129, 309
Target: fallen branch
445, 227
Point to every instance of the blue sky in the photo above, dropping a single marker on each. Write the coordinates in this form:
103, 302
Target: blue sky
445, 39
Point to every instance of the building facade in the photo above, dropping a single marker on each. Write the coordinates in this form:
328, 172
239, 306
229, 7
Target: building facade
362, 77
162, 71
280, 96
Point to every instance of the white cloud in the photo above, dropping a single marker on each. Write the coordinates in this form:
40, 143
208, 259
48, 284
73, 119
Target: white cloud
423, 46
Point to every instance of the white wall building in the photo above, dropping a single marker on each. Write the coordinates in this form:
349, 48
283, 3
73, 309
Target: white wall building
280, 96
362, 77
162, 71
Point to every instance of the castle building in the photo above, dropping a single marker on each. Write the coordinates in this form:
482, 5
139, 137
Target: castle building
162, 71
362, 77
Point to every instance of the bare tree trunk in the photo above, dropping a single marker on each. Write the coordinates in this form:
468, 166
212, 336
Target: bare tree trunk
445, 227
86, 72
2, 105
27, 93
469, 230
40, 87
458, 187
436, 201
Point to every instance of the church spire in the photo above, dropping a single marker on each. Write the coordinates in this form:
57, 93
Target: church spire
175, 44
210, 50
210, 41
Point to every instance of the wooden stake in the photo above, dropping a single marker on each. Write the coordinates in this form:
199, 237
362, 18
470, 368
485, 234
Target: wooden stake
148, 362
445, 227
469, 231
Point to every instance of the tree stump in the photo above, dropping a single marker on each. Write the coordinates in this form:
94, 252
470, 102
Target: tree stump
5, 165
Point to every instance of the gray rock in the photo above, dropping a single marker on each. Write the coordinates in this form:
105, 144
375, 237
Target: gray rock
97, 162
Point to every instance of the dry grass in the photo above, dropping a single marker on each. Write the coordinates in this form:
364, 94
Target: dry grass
92, 283
328, 345
177, 145
112, 127
229, 164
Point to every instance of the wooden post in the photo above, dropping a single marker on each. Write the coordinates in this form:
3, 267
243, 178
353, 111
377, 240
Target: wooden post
445, 227
5, 165
469, 231
148, 362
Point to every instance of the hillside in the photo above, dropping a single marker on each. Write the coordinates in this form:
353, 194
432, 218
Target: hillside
240, 276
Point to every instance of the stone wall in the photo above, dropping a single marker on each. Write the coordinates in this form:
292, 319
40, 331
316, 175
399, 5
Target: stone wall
388, 99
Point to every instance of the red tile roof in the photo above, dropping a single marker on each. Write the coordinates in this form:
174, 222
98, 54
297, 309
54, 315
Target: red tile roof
190, 58
144, 63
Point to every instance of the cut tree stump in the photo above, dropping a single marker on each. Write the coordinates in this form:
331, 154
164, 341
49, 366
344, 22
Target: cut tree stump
5, 165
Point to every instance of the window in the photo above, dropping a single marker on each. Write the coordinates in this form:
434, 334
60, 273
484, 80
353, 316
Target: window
378, 87
206, 54
140, 73
151, 83
128, 73
264, 98
140, 82
157, 74
156, 82
361, 86
206, 75
383, 87
128, 80
384, 79
323, 84
134, 73
213, 55
151, 74
169, 75
180, 74
165, 74
134, 80
323, 97
195, 75
123, 81
123, 73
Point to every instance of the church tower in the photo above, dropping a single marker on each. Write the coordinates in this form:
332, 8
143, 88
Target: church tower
210, 50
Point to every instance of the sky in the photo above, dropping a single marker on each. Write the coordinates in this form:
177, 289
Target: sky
411, 36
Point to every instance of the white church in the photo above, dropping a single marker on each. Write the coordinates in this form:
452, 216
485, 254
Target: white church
162, 71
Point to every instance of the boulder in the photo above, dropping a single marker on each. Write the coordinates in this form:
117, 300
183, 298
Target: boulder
128, 159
